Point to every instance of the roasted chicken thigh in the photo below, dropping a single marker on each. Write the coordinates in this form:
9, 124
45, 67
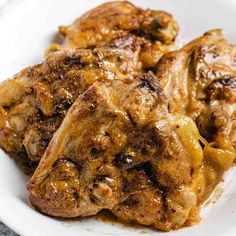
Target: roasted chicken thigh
156, 30
119, 148
199, 81
37, 99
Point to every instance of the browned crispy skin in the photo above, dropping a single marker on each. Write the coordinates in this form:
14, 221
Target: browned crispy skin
119, 148
112, 19
200, 82
118, 20
35, 101
37, 98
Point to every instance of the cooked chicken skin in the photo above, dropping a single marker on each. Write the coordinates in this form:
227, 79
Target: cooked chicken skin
199, 81
38, 98
119, 148
111, 21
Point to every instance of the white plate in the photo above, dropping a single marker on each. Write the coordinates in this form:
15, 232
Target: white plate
26, 30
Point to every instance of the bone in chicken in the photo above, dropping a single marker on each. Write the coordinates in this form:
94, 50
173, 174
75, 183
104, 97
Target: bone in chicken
34, 102
156, 30
200, 81
119, 148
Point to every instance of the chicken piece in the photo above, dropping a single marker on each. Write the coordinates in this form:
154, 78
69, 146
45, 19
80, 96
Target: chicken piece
119, 148
35, 101
199, 81
156, 30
